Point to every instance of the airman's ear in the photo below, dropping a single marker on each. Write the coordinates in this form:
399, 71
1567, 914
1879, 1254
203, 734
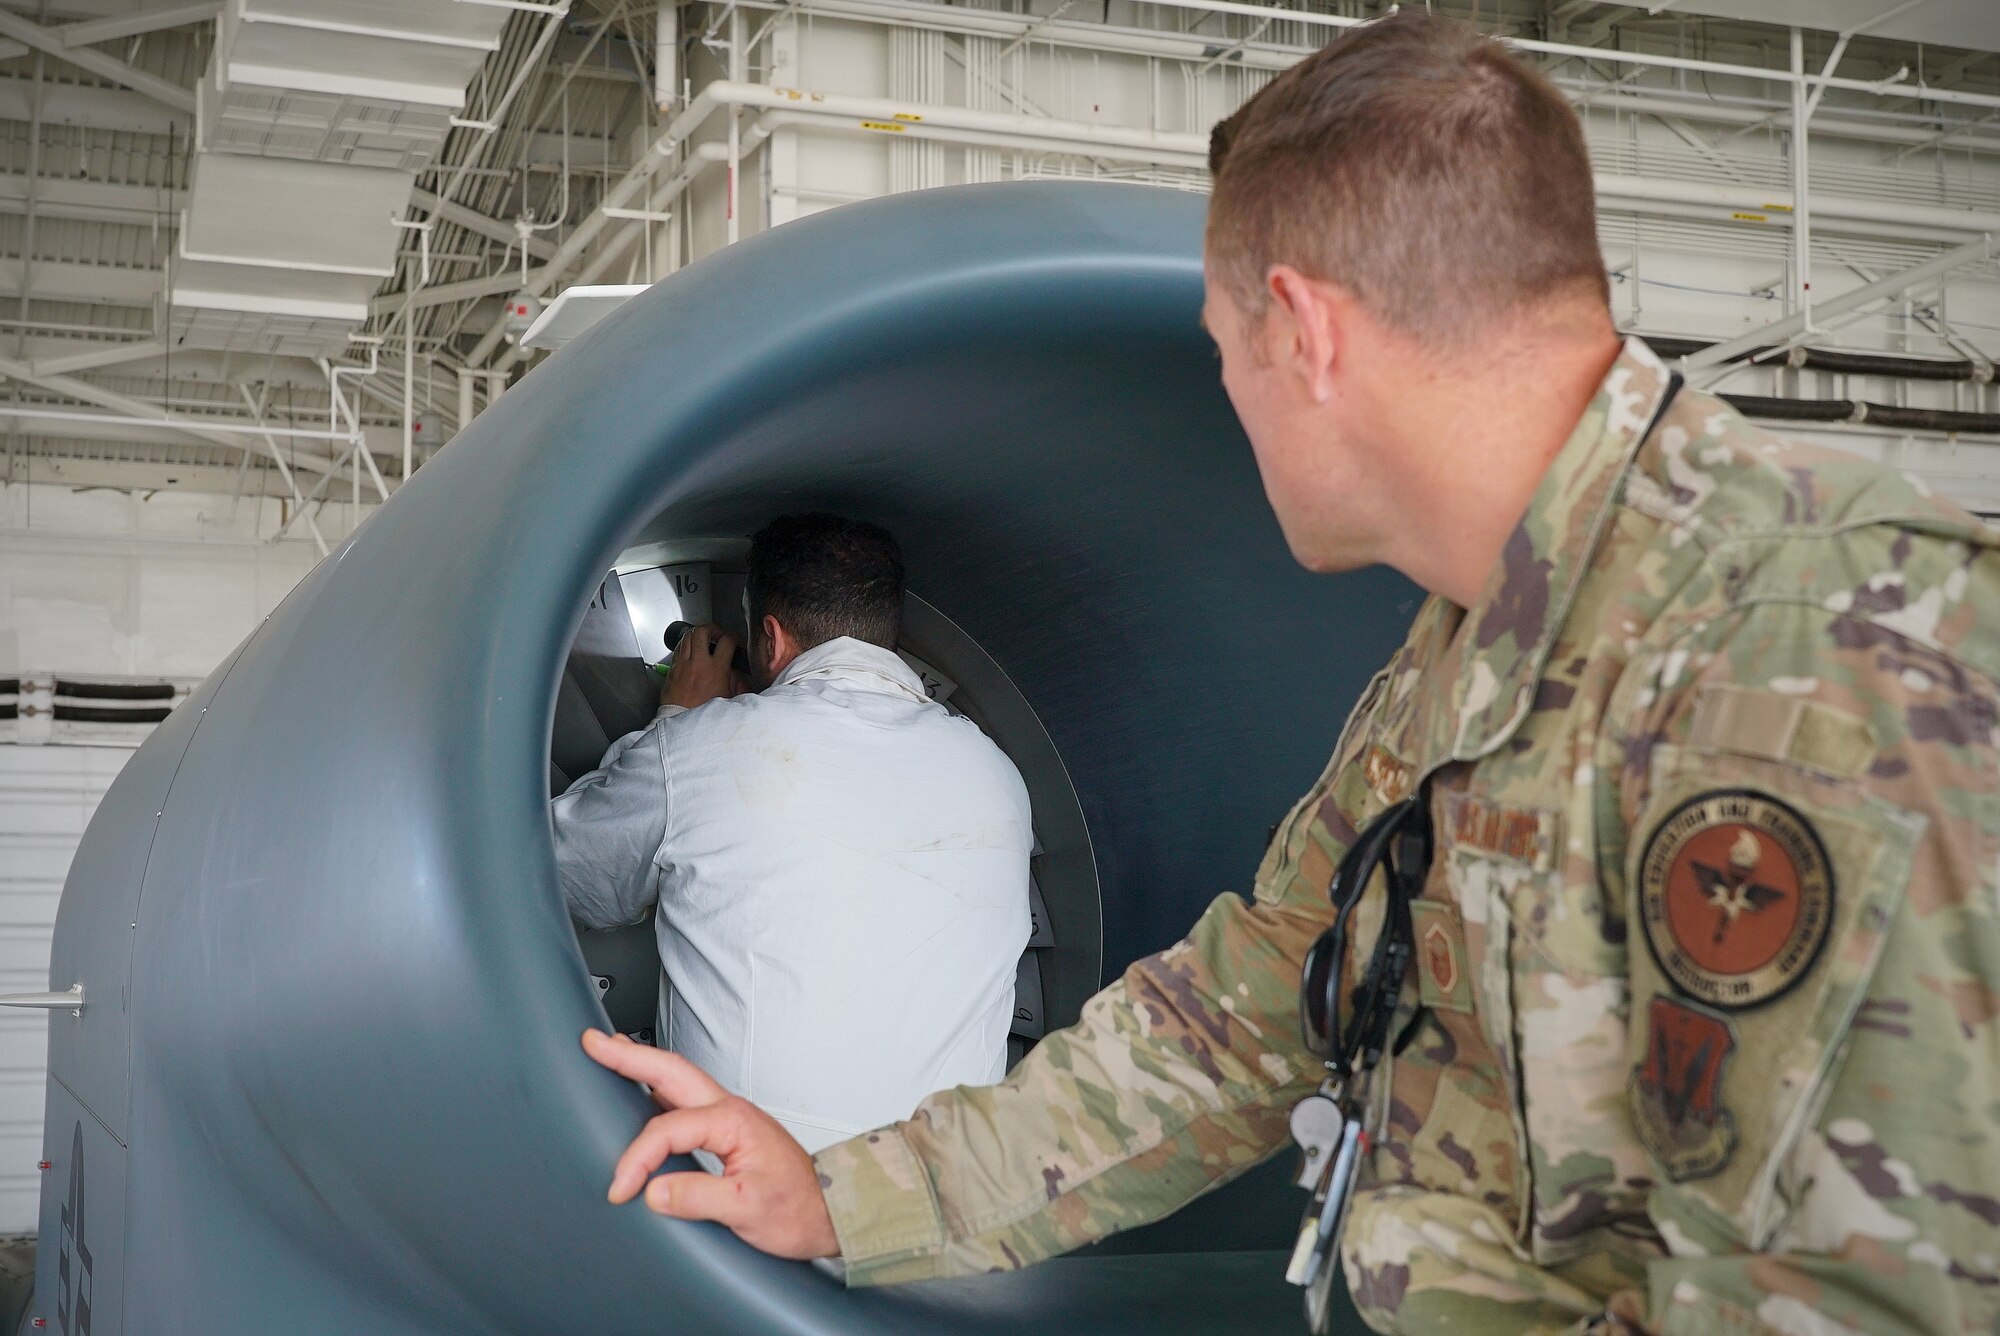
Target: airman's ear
1304, 324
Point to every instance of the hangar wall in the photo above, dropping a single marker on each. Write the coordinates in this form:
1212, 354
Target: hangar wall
99, 584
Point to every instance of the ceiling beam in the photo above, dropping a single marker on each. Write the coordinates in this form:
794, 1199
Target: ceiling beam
90, 201
1882, 289
445, 293
104, 67
90, 107
151, 19
103, 354
63, 280
134, 475
473, 221
73, 388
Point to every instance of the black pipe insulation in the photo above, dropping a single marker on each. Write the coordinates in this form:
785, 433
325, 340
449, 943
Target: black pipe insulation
10, 686
1791, 410
1845, 363
101, 714
9, 710
1860, 411
116, 690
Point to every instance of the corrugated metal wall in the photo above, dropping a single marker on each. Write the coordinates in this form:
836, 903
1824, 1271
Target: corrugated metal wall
46, 797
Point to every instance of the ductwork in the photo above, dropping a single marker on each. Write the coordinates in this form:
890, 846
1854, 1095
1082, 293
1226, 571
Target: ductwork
311, 124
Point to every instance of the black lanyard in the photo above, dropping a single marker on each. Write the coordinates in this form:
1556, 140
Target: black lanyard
1350, 1030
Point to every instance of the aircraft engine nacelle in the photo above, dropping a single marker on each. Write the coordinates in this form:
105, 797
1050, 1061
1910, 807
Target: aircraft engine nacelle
327, 1079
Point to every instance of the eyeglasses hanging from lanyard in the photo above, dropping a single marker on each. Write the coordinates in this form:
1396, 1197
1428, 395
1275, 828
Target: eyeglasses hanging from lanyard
1348, 1027
1349, 1030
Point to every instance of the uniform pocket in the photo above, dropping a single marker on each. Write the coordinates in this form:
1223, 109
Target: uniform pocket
1761, 898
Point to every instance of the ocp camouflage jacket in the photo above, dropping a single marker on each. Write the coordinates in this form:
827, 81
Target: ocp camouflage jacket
1710, 946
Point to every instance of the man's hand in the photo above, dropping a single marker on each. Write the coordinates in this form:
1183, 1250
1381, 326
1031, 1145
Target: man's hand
768, 1194
700, 672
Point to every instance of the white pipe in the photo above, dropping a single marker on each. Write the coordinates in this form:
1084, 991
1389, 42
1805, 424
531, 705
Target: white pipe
1752, 113
1801, 195
666, 54
738, 66
1156, 157
409, 404
1957, 223
337, 406
177, 423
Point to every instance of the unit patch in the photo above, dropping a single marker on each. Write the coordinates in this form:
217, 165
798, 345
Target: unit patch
1736, 894
1677, 1089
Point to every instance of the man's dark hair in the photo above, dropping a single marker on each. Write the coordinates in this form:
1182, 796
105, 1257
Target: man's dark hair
1431, 172
823, 576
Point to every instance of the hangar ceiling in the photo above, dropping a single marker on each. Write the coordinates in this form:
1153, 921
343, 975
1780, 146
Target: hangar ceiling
1967, 24
308, 218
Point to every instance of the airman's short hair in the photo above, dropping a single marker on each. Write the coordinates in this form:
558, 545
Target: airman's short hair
1423, 167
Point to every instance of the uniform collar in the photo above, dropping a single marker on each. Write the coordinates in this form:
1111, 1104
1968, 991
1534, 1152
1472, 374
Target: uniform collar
861, 665
1467, 680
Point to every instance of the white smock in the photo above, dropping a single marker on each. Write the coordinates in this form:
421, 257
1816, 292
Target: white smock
841, 870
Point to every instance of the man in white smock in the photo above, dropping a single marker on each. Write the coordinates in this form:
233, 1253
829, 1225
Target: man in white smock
840, 864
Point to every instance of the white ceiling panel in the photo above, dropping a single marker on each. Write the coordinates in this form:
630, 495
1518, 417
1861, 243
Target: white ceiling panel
298, 215
1971, 24
238, 287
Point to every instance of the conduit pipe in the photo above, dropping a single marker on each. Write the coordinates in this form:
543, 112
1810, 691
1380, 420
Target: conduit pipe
1647, 102
1959, 223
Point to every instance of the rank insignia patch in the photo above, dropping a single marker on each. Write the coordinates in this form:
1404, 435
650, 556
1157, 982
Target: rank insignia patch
1443, 981
1736, 894
1677, 1089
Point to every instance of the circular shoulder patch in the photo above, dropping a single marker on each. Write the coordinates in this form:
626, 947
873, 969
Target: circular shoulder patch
1736, 894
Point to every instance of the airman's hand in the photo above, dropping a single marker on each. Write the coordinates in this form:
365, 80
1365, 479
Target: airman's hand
768, 1194
700, 672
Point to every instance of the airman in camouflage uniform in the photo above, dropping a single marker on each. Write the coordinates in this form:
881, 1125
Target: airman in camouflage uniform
1708, 943
1709, 949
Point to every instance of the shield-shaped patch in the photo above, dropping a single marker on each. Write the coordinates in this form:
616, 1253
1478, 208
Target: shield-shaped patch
1677, 1089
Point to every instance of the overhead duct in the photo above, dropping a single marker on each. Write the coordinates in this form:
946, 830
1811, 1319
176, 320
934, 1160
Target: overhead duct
311, 124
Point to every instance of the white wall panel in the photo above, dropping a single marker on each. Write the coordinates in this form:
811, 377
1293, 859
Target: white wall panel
47, 795
105, 582
101, 582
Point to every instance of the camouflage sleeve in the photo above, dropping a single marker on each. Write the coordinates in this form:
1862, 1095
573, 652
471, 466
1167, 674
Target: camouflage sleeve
1176, 1079
1813, 815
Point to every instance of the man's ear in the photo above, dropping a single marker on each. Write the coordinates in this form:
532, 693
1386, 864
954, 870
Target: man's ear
1303, 327
779, 646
